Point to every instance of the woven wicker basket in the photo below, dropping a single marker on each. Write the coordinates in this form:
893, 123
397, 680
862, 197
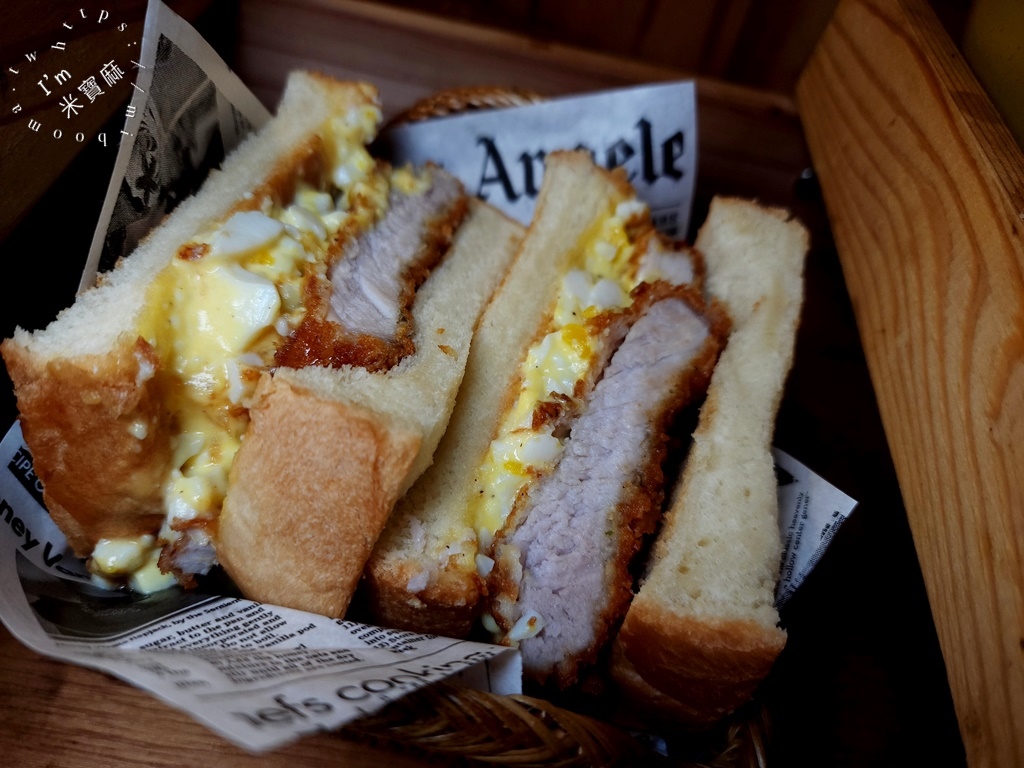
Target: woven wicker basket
454, 101
472, 727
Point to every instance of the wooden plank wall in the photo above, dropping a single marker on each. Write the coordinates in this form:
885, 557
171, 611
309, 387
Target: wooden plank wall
758, 43
925, 191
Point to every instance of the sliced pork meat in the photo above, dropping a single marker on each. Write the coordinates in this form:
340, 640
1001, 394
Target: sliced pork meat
561, 578
374, 278
367, 317
192, 553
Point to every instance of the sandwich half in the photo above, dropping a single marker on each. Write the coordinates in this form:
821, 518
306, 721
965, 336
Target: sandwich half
542, 344
273, 366
703, 630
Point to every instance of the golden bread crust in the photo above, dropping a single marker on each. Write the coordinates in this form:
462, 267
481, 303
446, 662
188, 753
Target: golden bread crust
98, 438
342, 465
646, 706
447, 606
709, 667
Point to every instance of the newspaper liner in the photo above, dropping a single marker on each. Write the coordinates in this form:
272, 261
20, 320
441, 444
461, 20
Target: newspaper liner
649, 131
811, 510
263, 675
259, 675
189, 111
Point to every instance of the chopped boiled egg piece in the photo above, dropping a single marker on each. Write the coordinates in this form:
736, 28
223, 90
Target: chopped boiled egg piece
484, 565
627, 209
529, 625
314, 200
113, 557
304, 220
355, 167
246, 304
557, 363
149, 578
606, 294
537, 449
245, 231
137, 557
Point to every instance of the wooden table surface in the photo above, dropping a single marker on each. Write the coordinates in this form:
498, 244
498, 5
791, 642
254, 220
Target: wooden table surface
861, 681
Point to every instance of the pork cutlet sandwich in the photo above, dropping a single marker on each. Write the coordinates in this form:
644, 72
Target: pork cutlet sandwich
551, 470
551, 474
703, 629
271, 369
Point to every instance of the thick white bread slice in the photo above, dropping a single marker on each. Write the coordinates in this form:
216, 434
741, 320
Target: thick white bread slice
84, 384
423, 573
94, 324
329, 451
703, 628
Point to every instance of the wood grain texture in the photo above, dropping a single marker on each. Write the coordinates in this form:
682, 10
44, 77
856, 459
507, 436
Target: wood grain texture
60, 714
751, 142
32, 159
925, 191
759, 43
411, 55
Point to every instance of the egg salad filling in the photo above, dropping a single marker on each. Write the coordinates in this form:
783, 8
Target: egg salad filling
215, 316
528, 444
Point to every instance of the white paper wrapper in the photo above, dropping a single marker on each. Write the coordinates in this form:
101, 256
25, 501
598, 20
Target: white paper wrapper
810, 513
259, 675
188, 111
263, 675
650, 131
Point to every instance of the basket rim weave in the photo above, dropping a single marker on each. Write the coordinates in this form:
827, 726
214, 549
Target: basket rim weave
461, 99
467, 726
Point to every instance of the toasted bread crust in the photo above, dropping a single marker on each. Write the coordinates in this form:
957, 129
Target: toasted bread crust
98, 437
708, 666
445, 607
643, 705
342, 466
